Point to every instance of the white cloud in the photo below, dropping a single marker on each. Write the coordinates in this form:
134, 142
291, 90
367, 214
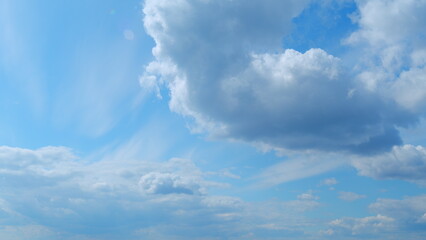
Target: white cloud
167, 183
361, 226
299, 166
409, 90
233, 78
391, 36
409, 212
350, 196
405, 162
386, 22
307, 196
50, 193
395, 219
31, 167
329, 181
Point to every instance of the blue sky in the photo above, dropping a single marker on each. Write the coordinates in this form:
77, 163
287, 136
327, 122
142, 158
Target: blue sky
200, 119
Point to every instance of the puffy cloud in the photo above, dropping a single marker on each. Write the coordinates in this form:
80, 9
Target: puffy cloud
389, 21
49, 193
229, 73
409, 90
24, 158
167, 183
350, 196
24, 168
361, 226
395, 219
52, 188
405, 162
409, 212
329, 181
392, 35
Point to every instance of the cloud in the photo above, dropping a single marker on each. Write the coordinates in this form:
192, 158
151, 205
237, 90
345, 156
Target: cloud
49, 193
33, 232
350, 196
230, 74
409, 90
23, 168
405, 162
395, 219
167, 183
372, 225
299, 166
409, 211
391, 38
386, 23
329, 181
307, 196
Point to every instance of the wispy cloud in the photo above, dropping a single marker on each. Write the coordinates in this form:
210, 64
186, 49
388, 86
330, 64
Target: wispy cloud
299, 167
350, 196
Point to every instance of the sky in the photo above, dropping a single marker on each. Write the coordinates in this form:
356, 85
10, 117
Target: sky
212, 119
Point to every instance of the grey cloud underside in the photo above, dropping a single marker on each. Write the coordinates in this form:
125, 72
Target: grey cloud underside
168, 183
405, 162
228, 72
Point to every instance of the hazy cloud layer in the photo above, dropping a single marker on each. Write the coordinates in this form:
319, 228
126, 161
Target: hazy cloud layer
361, 227
49, 193
406, 216
409, 211
350, 196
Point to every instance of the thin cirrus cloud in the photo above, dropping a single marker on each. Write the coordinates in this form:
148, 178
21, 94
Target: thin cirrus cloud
298, 167
329, 182
350, 196
233, 79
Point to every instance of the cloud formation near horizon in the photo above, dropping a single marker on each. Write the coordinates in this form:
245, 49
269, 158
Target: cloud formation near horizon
49, 193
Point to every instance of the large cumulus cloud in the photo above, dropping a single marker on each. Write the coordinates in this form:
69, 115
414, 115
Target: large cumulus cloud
228, 71
391, 37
